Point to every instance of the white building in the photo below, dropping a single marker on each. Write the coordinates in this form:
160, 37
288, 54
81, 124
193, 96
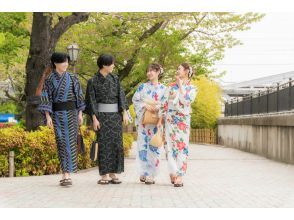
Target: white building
251, 86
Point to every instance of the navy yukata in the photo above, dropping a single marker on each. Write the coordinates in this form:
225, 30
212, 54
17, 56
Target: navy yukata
57, 89
107, 90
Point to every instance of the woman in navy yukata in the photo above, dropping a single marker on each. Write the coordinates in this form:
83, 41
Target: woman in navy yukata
62, 103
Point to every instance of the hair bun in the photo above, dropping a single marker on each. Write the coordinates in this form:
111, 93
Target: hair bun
190, 72
161, 70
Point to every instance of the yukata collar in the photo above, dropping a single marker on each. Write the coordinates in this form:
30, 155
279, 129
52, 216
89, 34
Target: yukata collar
187, 83
57, 74
174, 84
101, 75
150, 83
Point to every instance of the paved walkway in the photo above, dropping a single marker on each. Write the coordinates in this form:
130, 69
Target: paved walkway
217, 177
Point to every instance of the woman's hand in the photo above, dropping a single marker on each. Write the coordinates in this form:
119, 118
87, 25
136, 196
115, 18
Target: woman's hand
96, 123
125, 118
49, 120
151, 108
80, 118
179, 81
180, 84
172, 95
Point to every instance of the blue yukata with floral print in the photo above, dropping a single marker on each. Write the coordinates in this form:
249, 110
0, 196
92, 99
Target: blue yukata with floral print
147, 155
176, 110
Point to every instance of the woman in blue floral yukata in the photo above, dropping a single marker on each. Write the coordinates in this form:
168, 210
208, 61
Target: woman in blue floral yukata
175, 111
147, 155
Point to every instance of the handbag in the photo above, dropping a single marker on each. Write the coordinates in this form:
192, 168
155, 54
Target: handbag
157, 139
150, 117
81, 145
94, 151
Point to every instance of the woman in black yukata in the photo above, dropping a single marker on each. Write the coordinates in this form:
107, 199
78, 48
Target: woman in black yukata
62, 103
107, 106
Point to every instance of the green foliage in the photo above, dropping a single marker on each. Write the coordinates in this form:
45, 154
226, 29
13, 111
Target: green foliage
199, 38
14, 37
128, 140
3, 165
132, 112
14, 47
207, 106
36, 151
9, 107
135, 39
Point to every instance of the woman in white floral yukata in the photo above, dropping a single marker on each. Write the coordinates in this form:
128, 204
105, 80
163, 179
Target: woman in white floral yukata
176, 113
147, 155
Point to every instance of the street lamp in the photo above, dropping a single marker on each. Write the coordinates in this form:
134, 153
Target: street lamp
73, 52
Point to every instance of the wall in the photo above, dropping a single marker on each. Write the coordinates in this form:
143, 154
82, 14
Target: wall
271, 136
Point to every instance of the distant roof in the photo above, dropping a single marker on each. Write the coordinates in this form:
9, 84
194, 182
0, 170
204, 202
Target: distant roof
267, 81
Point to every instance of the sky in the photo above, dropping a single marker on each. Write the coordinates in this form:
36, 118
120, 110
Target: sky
268, 49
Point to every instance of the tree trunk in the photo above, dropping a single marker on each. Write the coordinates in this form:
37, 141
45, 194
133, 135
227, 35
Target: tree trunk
43, 41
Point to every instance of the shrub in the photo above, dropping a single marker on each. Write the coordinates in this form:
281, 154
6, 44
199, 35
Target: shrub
36, 151
9, 107
128, 140
207, 106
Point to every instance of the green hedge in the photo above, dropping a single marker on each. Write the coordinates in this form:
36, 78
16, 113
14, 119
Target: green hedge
36, 152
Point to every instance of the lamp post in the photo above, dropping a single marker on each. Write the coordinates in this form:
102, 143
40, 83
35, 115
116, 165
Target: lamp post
73, 52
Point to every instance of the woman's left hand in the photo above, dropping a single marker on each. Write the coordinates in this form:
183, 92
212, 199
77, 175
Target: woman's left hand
80, 118
179, 81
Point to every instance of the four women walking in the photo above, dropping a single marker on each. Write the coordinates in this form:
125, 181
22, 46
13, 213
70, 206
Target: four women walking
62, 103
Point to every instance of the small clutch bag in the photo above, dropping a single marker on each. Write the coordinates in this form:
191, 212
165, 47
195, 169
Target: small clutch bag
150, 117
94, 151
81, 145
157, 139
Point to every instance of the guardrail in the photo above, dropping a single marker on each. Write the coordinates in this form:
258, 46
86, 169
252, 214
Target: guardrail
277, 99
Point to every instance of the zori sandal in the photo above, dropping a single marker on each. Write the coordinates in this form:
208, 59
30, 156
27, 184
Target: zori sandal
103, 182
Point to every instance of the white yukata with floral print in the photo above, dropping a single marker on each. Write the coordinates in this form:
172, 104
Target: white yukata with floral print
176, 111
147, 155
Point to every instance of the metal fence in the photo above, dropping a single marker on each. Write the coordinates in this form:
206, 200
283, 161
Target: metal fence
277, 99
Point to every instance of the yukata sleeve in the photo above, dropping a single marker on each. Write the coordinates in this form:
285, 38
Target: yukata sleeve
90, 100
123, 102
163, 108
183, 101
188, 97
79, 95
46, 98
139, 105
158, 105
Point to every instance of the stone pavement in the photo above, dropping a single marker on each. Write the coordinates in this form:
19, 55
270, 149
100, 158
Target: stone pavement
217, 177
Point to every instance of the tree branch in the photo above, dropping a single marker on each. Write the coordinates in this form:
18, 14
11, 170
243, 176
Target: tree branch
65, 23
131, 62
196, 26
11, 97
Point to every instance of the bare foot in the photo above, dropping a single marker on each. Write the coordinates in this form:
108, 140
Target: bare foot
172, 178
